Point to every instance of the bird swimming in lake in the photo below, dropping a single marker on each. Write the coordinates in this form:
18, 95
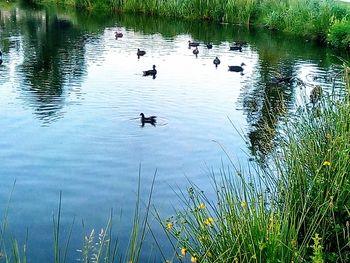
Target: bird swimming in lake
118, 34
236, 47
151, 72
192, 44
151, 119
315, 94
236, 68
196, 51
209, 46
140, 53
216, 62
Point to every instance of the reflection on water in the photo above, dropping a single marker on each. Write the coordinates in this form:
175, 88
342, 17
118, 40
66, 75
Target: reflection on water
71, 95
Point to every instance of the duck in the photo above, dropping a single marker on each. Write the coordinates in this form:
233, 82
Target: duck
192, 44
196, 51
0, 57
315, 94
151, 72
140, 53
236, 47
216, 62
151, 119
118, 34
236, 68
209, 46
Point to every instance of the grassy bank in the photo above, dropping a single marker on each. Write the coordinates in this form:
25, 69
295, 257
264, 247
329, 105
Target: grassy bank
294, 208
298, 210
325, 21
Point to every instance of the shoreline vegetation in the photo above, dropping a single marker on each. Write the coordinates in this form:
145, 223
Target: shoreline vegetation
295, 208
324, 21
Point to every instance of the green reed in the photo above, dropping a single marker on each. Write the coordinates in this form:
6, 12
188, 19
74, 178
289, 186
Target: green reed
295, 208
96, 246
322, 20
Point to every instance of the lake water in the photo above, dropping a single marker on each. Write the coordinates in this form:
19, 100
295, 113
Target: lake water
70, 99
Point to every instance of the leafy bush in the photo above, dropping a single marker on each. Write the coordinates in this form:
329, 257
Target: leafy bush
339, 33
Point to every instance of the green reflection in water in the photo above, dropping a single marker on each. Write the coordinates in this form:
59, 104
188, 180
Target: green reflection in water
53, 41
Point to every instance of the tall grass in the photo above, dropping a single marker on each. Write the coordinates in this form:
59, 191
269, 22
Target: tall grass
97, 247
322, 20
295, 209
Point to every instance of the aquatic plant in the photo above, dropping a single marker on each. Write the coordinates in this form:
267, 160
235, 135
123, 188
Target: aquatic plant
339, 33
294, 207
319, 20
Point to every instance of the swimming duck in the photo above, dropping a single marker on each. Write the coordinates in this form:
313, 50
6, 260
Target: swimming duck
192, 44
196, 51
151, 119
0, 57
118, 34
315, 94
236, 68
140, 53
209, 46
236, 47
216, 61
151, 72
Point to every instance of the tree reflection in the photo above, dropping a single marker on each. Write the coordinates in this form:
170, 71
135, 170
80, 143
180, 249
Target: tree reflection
53, 59
273, 94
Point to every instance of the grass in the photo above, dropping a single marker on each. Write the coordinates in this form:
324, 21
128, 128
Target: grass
295, 209
97, 247
326, 21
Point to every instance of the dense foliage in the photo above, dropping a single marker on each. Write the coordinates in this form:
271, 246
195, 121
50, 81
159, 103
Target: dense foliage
322, 20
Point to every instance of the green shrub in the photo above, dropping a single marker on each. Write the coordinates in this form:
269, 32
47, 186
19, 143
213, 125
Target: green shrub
339, 33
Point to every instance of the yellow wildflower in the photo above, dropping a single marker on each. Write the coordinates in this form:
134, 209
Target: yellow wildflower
326, 163
193, 259
201, 206
244, 204
203, 238
183, 251
169, 226
209, 221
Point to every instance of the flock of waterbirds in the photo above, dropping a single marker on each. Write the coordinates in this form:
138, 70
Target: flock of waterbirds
315, 94
237, 46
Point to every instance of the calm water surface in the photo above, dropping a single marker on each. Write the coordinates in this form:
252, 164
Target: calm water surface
70, 99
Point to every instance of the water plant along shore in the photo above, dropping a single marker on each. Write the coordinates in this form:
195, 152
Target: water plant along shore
296, 210
325, 21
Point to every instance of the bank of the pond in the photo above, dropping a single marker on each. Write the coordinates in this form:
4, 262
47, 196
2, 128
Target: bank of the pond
298, 210
325, 21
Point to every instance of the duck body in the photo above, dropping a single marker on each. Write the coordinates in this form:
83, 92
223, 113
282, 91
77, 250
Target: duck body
216, 61
196, 51
192, 44
315, 94
209, 46
140, 52
236, 68
236, 47
151, 119
118, 34
151, 72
